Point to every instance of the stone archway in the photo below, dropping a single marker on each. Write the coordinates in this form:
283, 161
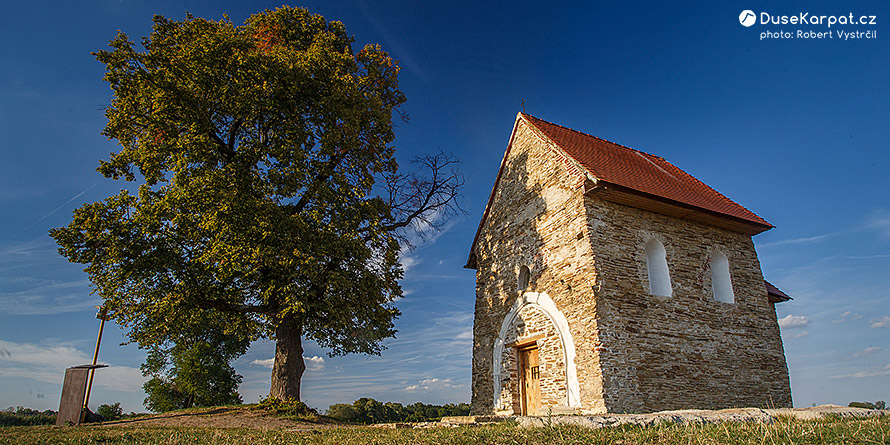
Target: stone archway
539, 309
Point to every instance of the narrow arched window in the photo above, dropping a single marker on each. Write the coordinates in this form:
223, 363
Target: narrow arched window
523, 277
656, 262
721, 281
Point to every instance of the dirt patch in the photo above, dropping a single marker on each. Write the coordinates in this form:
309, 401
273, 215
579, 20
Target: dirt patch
223, 417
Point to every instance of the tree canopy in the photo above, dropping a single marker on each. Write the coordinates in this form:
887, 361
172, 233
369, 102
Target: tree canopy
266, 194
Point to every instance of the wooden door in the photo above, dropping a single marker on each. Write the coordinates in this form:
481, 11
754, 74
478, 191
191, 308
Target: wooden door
529, 386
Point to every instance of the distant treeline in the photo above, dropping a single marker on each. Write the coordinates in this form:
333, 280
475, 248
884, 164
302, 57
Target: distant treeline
880, 404
368, 411
21, 416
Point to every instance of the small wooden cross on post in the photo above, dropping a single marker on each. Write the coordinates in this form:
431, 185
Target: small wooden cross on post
523, 105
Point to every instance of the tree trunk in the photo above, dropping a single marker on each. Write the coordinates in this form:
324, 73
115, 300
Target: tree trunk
288, 368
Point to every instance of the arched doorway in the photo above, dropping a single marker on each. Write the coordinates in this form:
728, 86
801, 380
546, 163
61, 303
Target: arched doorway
534, 359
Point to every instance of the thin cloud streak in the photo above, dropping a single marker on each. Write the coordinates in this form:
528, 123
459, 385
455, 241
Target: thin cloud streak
811, 239
843, 317
867, 351
60, 207
861, 375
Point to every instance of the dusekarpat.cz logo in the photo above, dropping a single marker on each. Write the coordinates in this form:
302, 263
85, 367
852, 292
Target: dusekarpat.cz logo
847, 26
749, 17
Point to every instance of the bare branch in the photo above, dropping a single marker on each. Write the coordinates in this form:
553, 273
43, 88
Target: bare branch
424, 202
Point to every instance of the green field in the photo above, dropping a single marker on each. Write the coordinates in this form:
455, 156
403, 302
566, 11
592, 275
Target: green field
875, 430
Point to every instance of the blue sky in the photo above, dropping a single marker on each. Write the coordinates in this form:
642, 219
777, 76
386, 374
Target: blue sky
794, 129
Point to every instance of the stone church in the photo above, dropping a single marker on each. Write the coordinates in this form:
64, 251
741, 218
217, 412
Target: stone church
608, 280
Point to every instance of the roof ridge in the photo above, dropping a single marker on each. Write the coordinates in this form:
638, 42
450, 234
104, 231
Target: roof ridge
592, 136
716, 197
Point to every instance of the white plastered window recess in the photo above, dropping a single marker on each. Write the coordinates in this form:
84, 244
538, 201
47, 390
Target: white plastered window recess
656, 264
721, 281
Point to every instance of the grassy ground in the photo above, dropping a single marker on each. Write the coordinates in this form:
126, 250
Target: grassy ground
786, 431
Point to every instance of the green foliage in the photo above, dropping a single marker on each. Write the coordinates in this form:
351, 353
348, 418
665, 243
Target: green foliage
13, 419
291, 408
865, 405
111, 412
368, 411
195, 371
256, 150
21, 416
343, 412
880, 404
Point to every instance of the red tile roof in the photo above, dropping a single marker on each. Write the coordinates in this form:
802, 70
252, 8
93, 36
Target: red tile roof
643, 172
775, 294
629, 169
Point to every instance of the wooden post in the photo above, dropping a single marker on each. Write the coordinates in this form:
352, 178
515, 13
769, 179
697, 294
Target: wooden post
102, 316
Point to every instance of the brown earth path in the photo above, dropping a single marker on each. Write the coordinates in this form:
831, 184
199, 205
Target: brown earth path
223, 417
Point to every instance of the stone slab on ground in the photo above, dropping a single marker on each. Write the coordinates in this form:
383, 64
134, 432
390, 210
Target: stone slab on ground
699, 416
467, 420
397, 425
821, 411
679, 417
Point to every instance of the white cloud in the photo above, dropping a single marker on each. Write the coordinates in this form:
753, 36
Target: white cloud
880, 223
267, 363
432, 384
798, 335
422, 234
314, 363
466, 334
407, 260
120, 378
868, 350
47, 363
880, 322
794, 321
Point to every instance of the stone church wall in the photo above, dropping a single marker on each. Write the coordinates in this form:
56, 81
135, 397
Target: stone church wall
635, 352
686, 350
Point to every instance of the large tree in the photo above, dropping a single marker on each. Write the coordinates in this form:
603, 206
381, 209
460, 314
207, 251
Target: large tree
268, 191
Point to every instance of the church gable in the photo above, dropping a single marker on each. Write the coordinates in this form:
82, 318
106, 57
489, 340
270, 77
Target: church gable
535, 175
528, 241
